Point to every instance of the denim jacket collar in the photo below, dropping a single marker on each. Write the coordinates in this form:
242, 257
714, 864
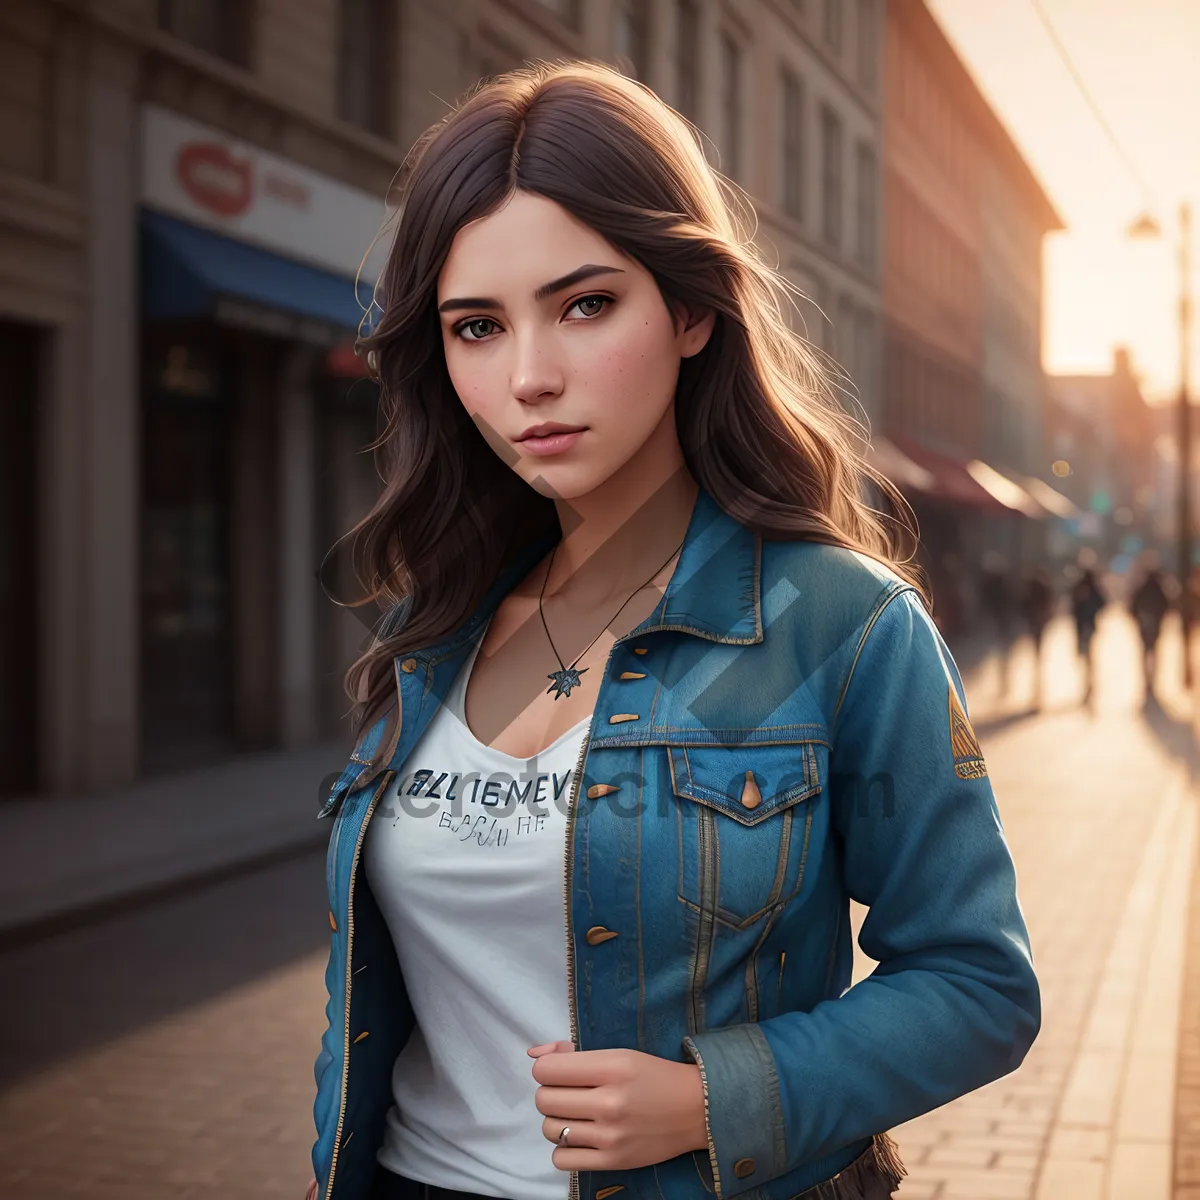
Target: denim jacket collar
713, 593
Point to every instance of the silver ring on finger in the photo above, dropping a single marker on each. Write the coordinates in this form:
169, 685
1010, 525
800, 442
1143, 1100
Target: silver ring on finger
562, 1137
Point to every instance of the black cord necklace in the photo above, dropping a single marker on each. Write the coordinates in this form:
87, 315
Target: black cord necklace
568, 677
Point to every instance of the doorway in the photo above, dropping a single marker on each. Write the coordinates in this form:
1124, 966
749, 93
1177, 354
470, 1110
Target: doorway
186, 627
20, 382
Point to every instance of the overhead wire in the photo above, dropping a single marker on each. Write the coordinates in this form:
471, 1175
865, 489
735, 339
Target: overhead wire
1065, 55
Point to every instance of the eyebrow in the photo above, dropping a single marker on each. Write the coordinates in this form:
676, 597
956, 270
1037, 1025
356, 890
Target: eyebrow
587, 271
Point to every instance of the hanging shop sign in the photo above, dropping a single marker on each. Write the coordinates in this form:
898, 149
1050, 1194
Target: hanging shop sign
205, 176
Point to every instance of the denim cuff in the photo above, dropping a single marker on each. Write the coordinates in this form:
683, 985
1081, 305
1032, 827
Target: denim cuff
743, 1109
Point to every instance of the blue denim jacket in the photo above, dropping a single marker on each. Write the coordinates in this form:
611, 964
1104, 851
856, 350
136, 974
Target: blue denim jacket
785, 732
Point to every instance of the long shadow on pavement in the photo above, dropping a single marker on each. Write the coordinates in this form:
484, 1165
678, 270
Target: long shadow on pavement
85, 986
1177, 736
1002, 721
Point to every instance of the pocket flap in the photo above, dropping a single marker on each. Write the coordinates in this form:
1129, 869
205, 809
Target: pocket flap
748, 782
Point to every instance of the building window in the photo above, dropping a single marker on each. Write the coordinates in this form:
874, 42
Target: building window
821, 326
813, 323
792, 125
218, 27
632, 37
831, 176
833, 25
865, 359
565, 10
731, 105
867, 209
687, 56
364, 40
868, 45
843, 337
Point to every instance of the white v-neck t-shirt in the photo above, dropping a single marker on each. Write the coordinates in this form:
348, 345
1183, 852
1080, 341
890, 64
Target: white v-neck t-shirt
465, 857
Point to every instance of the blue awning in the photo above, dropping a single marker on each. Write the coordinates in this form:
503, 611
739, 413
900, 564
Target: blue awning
188, 271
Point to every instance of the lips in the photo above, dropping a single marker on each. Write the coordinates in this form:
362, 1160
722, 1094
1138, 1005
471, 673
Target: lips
546, 441
549, 428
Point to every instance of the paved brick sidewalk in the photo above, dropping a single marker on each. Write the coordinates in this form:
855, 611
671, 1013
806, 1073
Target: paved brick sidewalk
1187, 1085
64, 855
192, 1079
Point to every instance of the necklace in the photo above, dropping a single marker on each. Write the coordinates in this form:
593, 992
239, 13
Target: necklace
568, 677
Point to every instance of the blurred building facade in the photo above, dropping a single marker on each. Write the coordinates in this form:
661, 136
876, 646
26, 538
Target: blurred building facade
962, 283
187, 188
1108, 444
186, 192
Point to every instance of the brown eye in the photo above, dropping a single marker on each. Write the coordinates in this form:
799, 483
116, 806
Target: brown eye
476, 334
599, 301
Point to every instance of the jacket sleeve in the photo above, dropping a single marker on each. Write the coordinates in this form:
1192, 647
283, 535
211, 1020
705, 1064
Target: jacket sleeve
954, 1002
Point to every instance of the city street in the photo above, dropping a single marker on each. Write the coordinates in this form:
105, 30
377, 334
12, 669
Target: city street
167, 1053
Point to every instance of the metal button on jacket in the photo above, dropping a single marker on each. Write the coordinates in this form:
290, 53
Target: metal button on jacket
751, 796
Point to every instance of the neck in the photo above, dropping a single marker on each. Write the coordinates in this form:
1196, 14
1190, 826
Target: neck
616, 537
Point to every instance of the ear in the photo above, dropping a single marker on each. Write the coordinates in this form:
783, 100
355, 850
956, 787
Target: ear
693, 329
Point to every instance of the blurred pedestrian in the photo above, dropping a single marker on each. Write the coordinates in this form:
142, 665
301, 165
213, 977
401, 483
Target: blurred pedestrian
998, 605
1087, 599
946, 577
1037, 607
1149, 604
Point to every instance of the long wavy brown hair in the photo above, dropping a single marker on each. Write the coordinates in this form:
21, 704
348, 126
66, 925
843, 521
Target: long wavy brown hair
757, 413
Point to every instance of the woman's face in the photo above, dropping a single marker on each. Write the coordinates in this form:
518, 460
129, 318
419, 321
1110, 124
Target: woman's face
598, 355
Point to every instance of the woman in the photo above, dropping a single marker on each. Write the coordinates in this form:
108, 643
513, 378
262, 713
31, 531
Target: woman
610, 464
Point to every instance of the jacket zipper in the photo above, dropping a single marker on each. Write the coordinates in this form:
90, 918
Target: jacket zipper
573, 1187
337, 1137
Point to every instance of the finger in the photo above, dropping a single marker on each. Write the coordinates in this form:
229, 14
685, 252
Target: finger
571, 1158
567, 1103
583, 1068
582, 1135
551, 1048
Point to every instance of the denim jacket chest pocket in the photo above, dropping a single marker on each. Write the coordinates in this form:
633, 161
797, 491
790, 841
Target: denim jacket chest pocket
745, 818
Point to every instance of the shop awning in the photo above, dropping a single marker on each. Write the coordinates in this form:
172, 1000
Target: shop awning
953, 482
886, 457
188, 271
1005, 489
1052, 501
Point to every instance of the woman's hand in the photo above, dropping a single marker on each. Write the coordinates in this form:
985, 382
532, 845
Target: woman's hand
625, 1109
311, 1194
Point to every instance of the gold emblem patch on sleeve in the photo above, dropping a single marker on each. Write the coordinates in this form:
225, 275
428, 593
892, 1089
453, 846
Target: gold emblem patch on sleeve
968, 757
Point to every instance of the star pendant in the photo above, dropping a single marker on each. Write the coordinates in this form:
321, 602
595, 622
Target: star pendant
564, 681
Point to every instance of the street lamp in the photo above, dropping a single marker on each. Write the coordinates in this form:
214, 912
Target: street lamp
1147, 226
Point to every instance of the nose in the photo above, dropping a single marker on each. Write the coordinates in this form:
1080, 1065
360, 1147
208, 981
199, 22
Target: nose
536, 375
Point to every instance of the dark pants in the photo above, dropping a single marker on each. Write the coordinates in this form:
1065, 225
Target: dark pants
396, 1187
873, 1175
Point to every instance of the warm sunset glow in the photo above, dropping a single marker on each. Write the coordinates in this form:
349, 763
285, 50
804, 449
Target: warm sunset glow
1142, 65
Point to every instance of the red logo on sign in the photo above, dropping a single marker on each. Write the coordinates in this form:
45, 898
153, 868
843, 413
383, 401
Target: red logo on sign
214, 178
